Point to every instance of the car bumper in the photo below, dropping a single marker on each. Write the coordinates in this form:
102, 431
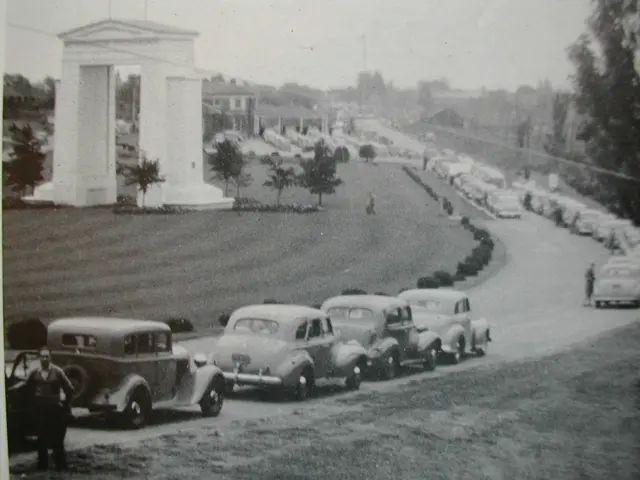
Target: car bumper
616, 298
239, 378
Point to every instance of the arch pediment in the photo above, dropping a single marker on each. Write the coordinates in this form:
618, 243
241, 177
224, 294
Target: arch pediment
113, 30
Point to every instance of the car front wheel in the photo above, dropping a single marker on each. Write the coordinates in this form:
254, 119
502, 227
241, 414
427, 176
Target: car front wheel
430, 359
213, 398
138, 409
304, 388
390, 367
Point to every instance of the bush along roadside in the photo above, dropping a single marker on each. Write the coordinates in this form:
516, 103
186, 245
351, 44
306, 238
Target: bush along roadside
252, 205
416, 178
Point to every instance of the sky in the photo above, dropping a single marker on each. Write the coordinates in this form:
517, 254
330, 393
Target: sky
325, 43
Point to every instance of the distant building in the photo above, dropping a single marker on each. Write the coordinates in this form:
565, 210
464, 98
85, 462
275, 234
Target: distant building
228, 106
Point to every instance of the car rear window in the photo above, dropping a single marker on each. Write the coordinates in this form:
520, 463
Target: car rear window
256, 326
346, 313
74, 340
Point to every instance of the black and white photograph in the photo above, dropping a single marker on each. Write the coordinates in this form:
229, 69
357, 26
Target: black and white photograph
330, 239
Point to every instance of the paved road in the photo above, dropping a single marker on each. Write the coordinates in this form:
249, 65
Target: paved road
534, 305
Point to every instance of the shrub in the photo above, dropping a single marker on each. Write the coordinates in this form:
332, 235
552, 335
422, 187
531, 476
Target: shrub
403, 289
445, 279
353, 291
467, 268
126, 200
27, 334
270, 301
341, 154
427, 282
459, 276
464, 221
179, 324
383, 294
480, 234
224, 319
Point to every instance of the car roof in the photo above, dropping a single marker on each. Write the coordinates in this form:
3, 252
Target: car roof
439, 293
104, 325
379, 302
282, 313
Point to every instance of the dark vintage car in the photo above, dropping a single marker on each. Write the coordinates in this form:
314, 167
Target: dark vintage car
285, 347
18, 401
384, 325
125, 368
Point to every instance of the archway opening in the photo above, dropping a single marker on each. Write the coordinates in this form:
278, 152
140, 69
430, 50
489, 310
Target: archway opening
127, 126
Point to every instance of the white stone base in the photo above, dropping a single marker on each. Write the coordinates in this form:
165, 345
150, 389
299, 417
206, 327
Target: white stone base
200, 197
42, 193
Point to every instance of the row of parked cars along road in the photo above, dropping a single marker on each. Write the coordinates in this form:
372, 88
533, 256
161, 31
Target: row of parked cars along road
617, 281
124, 368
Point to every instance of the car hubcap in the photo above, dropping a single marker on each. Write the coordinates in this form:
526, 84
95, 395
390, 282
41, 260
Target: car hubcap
136, 409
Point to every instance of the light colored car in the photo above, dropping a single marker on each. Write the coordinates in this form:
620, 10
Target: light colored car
447, 312
287, 347
128, 367
587, 221
617, 284
607, 227
384, 325
505, 204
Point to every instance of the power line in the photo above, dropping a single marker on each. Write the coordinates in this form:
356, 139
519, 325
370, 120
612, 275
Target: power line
540, 154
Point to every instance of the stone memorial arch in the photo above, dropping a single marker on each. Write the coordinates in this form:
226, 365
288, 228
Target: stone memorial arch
84, 158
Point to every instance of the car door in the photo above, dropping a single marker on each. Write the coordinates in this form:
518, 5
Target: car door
319, 346
146, 364
166, 368
398, 327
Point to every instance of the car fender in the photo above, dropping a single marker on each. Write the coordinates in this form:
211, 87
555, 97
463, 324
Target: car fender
292, 366
383, 347
450, 338
202, 379
345, 356
480, 331
428, 339
120, 395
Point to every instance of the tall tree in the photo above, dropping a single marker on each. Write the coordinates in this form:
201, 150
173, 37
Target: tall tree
367, 152
279, 177
24, 169
143, 175
608, 94
227, 162
556, 140
319, 173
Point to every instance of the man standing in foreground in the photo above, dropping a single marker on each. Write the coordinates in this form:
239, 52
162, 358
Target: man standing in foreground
50, 413
590, 278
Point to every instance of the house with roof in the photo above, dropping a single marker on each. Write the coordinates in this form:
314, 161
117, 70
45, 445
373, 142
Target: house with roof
227, 106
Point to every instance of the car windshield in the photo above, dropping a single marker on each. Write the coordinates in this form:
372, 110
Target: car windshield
256, 326
350, 313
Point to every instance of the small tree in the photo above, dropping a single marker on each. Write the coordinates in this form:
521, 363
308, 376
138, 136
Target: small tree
280, 177
319, 174
143, 175
367, 152
227, 162
24, 169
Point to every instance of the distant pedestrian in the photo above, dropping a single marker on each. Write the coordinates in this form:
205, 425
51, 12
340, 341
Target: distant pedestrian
590, 278
50, 413
425, 160
557, 215
371, 205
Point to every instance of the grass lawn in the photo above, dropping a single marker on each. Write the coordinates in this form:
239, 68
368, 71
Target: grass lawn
90, 261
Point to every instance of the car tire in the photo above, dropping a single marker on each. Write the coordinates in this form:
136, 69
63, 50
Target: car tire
430, 359
598, 304
213, 398
391, 367
138, 409
304, 390
79, 379
458, 355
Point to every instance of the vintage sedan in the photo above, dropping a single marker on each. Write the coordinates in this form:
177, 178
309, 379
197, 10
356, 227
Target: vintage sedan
125, 368
616, 284
384, 325
505, 204
286, 347
448, 313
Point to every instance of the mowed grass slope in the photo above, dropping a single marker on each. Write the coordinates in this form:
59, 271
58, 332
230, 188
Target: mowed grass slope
92, 262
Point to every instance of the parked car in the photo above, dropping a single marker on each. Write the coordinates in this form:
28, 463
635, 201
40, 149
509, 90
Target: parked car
384, 325
504, 204
125, 368
607, 227
617, 283
286, 347
18, 401
587, 221
447, 312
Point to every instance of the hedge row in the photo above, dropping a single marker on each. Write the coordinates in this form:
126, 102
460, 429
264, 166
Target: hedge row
416, 178
252, 205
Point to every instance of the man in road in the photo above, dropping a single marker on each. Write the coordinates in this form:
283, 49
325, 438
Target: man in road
50, 413
371, 206
590, 278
